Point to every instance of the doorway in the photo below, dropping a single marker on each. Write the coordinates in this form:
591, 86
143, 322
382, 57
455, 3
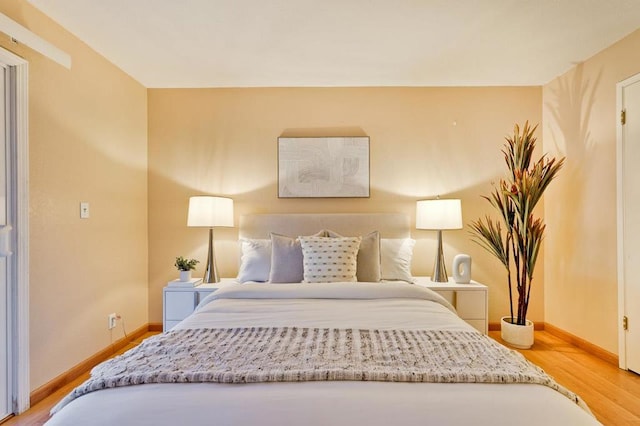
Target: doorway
5, 308
14, 234
628, 158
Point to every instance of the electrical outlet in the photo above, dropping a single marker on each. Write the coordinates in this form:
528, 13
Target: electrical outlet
112, 320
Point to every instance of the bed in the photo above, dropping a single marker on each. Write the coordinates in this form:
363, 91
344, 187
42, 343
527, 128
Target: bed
320, 353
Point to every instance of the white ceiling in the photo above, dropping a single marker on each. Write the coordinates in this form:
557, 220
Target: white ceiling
248, 43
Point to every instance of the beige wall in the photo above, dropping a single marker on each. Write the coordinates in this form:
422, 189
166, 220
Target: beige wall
88, 142
424, 142
579, 114
89, 129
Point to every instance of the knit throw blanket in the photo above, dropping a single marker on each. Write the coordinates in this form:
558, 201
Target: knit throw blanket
290, 354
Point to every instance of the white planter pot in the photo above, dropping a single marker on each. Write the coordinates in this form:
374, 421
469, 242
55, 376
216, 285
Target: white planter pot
185, 275
518, 336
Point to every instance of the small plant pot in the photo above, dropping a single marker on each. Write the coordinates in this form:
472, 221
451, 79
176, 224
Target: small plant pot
518, 336
185, 275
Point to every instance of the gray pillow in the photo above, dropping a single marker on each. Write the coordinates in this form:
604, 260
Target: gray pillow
286, 259
368, 269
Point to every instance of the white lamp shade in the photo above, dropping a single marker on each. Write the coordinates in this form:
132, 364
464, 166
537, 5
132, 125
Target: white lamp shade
209, 211
439, 214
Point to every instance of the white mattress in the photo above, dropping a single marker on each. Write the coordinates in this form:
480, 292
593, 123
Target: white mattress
380, 306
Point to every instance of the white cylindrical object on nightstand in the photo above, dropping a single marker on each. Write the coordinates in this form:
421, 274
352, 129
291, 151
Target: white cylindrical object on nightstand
462, 269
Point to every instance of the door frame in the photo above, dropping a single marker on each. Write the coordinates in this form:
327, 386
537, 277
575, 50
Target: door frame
622, 344
19, 189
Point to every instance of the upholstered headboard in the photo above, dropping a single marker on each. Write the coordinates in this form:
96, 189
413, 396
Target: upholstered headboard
390, 225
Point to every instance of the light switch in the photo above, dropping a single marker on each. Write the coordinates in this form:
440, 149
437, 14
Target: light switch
84, 210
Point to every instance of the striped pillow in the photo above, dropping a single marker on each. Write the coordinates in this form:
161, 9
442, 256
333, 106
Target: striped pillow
327, 260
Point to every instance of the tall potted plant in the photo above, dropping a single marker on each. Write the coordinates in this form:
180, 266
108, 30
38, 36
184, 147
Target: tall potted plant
517, 248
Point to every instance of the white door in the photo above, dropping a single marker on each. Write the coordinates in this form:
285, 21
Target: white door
629, 192
14, 234
5, 392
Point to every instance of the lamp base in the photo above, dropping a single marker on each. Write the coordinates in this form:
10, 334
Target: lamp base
439, 269
211, 270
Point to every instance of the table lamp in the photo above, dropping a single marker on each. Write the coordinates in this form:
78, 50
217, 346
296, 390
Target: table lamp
439, 215
209, 212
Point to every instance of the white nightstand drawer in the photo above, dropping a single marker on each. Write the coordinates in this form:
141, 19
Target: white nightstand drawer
470, 300
180, 302
449, 296
471, 304
179, 305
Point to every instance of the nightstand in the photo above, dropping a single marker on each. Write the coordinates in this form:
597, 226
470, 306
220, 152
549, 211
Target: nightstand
470, 300
179, 302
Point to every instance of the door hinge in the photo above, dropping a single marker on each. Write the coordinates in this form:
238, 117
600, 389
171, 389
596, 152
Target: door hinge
625, 323
623, 117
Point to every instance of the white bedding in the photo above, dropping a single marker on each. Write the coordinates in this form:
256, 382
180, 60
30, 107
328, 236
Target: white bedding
344, 305
325, 305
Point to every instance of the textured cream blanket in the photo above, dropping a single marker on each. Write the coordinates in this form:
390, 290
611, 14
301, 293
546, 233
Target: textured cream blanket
277, 354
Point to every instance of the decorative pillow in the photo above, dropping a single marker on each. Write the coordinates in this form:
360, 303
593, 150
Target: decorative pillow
286, 259
255, 260
328, 260
368, 256
395, 263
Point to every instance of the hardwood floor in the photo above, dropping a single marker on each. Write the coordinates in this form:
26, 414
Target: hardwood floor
39, 413
612, 394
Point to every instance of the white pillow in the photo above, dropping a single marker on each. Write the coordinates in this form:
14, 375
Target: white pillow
327, 260
395, 262
255, 260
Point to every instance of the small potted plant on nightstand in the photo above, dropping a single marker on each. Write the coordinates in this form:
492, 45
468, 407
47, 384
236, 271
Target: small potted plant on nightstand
517, 248
185, 266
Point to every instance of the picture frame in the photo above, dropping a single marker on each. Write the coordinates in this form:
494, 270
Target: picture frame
323, 167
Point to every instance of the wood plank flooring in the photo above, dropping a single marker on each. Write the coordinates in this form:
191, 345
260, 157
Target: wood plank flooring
39, 413
612, 394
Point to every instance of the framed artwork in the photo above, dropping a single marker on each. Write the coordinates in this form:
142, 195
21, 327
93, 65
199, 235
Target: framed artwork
323, 167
